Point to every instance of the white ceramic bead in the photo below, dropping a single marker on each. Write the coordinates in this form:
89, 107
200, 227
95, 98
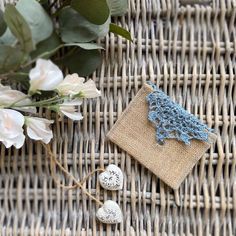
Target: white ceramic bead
110, 213
111, 178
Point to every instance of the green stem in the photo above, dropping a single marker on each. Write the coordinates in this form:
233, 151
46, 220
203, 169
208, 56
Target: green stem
29, 63
43, 103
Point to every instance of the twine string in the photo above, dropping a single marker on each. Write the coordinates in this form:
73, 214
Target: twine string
69, 187
68, 174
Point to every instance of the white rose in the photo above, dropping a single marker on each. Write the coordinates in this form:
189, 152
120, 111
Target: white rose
38, 129
45, 76
70, 109
11, 123
74, 85
10, 96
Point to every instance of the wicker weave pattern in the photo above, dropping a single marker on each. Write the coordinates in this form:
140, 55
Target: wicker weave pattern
189, 52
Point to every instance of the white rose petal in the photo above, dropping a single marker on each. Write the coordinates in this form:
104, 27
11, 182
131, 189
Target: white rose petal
38, 129
73, 85
9, 96
11, 123
45, 76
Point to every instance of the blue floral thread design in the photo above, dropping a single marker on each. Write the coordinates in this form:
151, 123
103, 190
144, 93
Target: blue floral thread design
173, 121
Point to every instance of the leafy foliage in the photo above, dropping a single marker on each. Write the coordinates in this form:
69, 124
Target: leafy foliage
38, 20
95, 11
10, 58
19, 28
83, 62
50, 49
47, 46
3, 25
30, 30
120, 31
75, 28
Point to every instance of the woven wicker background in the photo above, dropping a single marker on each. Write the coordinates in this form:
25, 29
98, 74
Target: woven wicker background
189, 52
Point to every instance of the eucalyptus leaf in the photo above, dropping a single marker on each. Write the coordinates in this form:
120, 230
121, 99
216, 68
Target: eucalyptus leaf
75, 28
43, 1
8, 38
38, 20
95, 11
83, 62
46, 53
3, 25
87, 46
10, 59
19, 28
120, 31
47, 46
45, 4
118, 7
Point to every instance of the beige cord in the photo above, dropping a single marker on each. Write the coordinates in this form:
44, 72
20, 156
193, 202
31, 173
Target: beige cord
75, 185
78, 184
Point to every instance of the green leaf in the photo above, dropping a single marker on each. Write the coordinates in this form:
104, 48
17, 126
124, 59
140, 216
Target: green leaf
75, 28
95, 11
48, 52
43, 1
47, 47
3, 25
8, 38
11, 58
87, 46
38, 20
83, 62
120, 31
118, 7
19, 27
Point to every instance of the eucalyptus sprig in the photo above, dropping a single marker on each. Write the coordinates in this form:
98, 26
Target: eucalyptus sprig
38, 29
33, 31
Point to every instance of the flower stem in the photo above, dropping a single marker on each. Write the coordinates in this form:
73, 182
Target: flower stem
42, 103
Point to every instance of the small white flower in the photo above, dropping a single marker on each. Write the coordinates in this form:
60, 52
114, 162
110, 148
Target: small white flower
70, 109
10, 96
71, 85
45, 76
74, 85
38, 129
89, 90
11, 123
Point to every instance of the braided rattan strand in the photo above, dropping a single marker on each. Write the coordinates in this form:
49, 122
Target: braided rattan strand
189, 51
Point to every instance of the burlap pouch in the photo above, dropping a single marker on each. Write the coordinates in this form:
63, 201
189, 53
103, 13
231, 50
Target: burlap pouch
135, 134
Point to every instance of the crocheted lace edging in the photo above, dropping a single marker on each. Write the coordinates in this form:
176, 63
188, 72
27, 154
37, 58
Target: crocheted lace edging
173, 121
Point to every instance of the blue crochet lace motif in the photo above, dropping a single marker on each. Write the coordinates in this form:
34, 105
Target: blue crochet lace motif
172, 121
